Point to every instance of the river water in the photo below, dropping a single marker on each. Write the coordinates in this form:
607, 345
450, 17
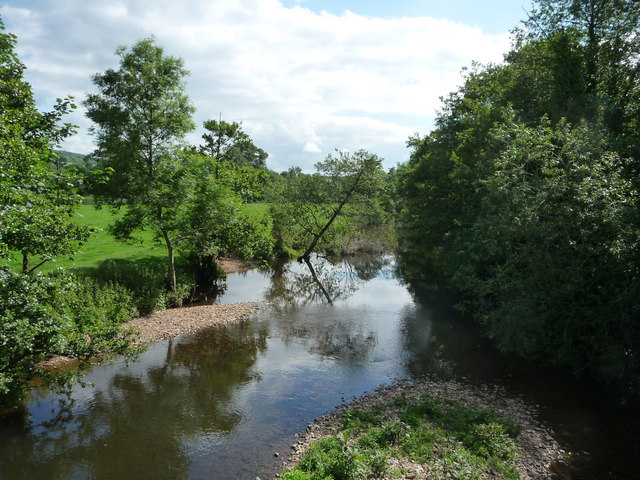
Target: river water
226, 402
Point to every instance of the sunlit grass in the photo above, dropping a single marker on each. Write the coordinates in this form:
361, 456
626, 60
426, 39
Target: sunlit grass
452, 441
102, 246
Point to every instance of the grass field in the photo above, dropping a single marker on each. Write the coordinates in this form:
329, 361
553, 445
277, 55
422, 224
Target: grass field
102, 245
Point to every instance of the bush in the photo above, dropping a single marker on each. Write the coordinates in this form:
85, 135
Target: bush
332, 458
491, 440
56, 314
145, 279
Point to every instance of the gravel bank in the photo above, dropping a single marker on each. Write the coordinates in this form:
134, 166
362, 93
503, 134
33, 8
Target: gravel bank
537, 448
178, 321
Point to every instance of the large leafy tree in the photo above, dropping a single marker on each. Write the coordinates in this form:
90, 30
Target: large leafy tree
141, 114
37, 201
591, 50
524, 197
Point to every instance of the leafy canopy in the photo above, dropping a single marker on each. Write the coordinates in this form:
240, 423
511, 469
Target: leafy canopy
37, 202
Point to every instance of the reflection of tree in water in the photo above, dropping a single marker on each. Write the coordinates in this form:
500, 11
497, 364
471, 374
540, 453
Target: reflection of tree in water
440, 341
138, 426
320, 280
369, 267
346, 345
301, 294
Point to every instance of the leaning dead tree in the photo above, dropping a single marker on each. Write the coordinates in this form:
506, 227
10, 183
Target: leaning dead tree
309, 206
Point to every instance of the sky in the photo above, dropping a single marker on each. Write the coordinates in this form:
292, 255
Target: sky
305, 77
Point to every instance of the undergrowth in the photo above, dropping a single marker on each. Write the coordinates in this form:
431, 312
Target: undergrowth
450, 440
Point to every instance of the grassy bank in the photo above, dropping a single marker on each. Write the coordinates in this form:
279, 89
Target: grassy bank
102, 246
427, 429
456, 442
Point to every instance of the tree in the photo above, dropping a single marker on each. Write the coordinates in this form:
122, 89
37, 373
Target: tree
523, 199
141, 115
604, 47
37, 202
212, 224
228, 142
312, 204
40, 314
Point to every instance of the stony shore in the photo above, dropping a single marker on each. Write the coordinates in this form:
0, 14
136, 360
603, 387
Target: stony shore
178, 321
537, 448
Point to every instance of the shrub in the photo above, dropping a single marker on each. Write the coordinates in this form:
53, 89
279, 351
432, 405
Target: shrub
490, 440
145, 279
55, 314
332, 458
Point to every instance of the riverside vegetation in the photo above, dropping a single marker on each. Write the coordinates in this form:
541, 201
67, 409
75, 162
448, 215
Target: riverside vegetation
523, 200
425, 429
197, 202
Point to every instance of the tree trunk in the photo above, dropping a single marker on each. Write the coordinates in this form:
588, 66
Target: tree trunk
343, 202
173, 284
25, 262
317, 280
170, 254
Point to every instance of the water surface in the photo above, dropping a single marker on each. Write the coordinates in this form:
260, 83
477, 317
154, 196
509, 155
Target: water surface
219, 404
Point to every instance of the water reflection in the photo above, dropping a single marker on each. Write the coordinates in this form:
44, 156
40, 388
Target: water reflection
140, 422
320, 279
219, 403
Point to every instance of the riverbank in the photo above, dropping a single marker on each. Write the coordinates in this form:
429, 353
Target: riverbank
536, 447
179, 321
169, 323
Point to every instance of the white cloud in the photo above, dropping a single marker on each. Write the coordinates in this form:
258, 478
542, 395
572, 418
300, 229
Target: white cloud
311, 148
302, 83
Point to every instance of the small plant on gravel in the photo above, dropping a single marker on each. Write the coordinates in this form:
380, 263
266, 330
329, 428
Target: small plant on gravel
378, 464
332, 458
453, 441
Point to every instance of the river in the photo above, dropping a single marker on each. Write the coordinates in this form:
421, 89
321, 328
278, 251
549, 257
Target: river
226, 402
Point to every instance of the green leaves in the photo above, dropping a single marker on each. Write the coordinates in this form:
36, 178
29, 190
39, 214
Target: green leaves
320, 210
227, 142
142, 114
56, 314
211, 223
37, 202
525, 195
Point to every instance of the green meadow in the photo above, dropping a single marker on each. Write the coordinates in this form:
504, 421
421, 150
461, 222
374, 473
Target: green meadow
102, 246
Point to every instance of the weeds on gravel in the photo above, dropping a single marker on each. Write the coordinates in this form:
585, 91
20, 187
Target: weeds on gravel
449, 440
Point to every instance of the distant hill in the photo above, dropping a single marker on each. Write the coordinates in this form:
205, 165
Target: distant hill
83, 163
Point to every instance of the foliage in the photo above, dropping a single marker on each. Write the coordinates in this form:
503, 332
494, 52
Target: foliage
453, 440
524, 197
37, 202
320, 211
141, 115
56, 314
143, 278
84, 164
227, 142
212, 222
596, 42
332, 458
